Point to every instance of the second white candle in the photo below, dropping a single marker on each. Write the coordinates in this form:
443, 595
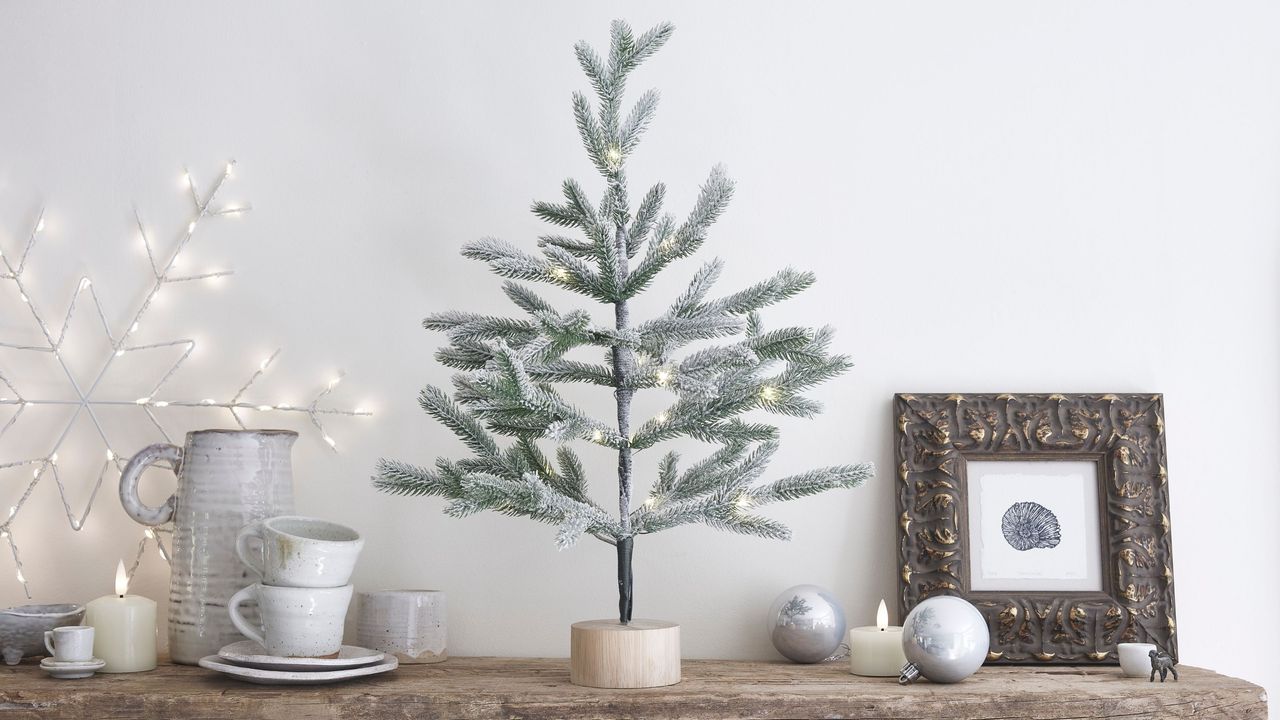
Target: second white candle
876, 651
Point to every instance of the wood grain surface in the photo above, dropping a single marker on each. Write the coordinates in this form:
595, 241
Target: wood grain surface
540, 688
608, 654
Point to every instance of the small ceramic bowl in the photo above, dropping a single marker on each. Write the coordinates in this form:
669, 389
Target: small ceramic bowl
1135, 660
22, 628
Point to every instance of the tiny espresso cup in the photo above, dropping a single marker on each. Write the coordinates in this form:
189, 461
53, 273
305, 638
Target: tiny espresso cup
296, 622
298, 551
409, 624
1135, 659
73, 643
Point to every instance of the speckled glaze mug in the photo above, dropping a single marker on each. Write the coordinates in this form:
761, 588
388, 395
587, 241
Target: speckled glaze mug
295, 551
296, 622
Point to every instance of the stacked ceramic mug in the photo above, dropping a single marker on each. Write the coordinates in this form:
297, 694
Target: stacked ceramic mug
306, 567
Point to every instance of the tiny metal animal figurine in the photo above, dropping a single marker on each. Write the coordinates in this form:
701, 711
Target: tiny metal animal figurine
1162, 663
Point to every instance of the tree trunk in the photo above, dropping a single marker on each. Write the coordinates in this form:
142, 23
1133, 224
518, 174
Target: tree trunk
623, 365
624, 580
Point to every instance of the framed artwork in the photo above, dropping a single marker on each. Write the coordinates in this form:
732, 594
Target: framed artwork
1050, 513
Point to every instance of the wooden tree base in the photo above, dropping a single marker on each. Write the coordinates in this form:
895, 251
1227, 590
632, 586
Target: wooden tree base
608, 654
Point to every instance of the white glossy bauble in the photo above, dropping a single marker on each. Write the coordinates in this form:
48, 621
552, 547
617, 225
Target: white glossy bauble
945, 640
806, 624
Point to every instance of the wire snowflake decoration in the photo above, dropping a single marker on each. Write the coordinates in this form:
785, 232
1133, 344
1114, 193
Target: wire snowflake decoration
82, 395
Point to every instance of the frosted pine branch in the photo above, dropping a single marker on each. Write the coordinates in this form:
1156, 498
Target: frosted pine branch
463, 424
400, 478
563, 371
646, 217
792, 343
573, 478
699, 286
638, 121
525, 298
577, 248
786, 284
811, 483
593, 136
664, 249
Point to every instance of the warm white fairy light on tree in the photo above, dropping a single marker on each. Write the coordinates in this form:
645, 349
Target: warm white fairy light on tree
164, 272
508, 366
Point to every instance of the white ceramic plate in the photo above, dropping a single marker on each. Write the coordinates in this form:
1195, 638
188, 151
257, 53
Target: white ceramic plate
71, 670
250, 654
286, 677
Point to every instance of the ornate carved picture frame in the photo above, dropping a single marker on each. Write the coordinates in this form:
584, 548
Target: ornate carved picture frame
938, 436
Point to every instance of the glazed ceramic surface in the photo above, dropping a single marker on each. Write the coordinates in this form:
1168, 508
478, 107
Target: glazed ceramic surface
293, 551
1135, 660
295, 622
72, 643
72, 670
248, 653
226, 480
22, 628
284, 677
407, 623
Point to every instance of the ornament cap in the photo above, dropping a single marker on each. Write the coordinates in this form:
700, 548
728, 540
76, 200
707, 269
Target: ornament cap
910, 674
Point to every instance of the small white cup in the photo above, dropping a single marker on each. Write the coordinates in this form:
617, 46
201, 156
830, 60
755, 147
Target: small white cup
1135, 659
296, 622
73, 643
299, 551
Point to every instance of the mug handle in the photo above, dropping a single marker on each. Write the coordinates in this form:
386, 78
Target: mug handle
48, 641
133, 505
233, 609
248, 533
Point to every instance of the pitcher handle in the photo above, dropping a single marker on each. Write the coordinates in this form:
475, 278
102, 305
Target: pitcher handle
145, 458
233, 609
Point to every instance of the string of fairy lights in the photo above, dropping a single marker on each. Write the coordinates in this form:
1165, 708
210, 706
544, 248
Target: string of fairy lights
82, 395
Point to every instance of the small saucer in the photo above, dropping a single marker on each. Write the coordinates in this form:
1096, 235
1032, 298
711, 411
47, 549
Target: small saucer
302, 677
72, 670
248, 653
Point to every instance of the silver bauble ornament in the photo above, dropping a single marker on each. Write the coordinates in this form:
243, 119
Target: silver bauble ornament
945, 639
806, 624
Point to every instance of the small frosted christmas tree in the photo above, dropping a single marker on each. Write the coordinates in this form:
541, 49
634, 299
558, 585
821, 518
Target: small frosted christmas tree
509, 367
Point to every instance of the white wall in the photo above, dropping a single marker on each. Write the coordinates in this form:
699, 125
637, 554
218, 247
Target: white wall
998, 196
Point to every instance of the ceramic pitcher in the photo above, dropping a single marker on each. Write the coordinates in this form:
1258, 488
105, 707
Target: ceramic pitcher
226, 480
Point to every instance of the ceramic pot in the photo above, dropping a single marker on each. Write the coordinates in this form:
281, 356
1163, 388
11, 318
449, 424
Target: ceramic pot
409, 624
226, 479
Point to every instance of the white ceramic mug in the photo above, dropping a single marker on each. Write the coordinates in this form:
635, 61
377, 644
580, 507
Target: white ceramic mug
73, 643
409, 624
296, 622
1135, 658
299, 551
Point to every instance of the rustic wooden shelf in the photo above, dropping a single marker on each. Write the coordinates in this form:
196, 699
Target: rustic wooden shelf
539, 688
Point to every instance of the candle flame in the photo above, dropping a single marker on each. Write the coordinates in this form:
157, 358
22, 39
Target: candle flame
882, 616
122, 580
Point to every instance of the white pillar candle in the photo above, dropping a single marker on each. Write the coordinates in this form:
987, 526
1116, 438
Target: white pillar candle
124, 628
877, 651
